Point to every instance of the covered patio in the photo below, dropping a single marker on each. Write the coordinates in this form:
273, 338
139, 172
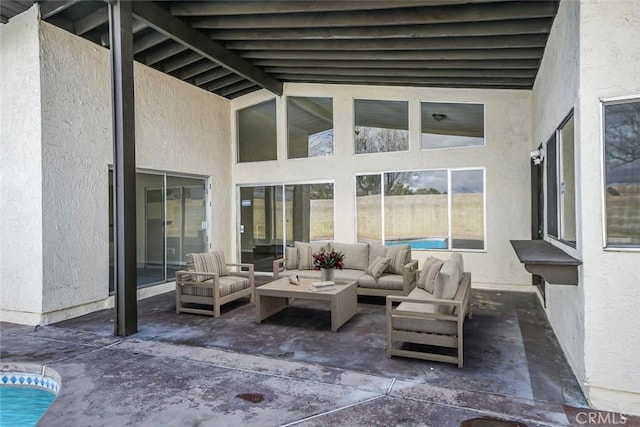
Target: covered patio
227, 95
292, 370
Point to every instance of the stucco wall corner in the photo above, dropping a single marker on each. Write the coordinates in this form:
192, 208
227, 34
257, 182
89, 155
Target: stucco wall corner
21, 255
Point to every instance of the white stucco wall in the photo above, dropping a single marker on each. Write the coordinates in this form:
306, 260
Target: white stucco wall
592, 54
609, 67
505, 157
20, 170
179, 129
555, 93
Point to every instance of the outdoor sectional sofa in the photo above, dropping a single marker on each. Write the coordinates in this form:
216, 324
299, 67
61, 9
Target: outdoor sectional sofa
432, 314
379, 270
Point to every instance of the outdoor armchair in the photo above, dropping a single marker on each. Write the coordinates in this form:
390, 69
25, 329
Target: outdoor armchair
210, 282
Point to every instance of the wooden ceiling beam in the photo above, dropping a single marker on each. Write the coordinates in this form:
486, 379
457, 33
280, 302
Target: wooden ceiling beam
500, 64
495, 11
408, 81
161, 20
384, 72
474, 29
92, 21
51, 8
400, 54
236, 87
148, 41
210, 76
223, 82
163, 52
180, 61
491, 42
196, 69
200, 8
137, 27
243, 92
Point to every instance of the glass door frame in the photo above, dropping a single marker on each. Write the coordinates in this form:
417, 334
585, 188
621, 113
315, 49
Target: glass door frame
283, 186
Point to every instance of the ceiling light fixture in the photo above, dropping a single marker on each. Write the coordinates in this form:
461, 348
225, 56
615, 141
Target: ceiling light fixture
438, 117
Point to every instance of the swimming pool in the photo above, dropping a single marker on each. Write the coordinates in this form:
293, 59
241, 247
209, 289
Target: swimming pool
25, 397
429, 243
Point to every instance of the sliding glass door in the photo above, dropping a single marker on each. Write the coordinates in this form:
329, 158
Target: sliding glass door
261, 231
171, 222
274, 215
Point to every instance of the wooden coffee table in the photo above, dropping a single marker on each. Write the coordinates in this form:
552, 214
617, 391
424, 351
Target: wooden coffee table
274, 297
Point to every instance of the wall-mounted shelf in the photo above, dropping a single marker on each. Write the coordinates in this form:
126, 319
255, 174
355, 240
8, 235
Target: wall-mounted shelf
542, 258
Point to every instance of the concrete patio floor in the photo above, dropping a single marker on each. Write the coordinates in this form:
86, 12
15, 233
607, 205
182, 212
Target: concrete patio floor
192, 370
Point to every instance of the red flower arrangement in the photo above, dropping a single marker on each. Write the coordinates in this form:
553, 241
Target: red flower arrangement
331, 259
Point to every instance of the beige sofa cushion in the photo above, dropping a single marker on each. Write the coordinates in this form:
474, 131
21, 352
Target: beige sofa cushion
429, 272
400, 255
209, 262
376, 250
290, 257
348, 275
448, 280
393, 282
356, 255
306, 251
442, 327
378, 266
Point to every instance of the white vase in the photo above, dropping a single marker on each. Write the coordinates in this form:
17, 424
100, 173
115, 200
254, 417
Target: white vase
327, 274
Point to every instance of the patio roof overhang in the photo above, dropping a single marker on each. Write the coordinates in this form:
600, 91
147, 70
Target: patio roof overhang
232, 48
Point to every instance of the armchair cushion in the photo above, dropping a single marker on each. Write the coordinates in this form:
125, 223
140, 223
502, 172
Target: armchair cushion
228, 285
429, 272
232, 284
210, 262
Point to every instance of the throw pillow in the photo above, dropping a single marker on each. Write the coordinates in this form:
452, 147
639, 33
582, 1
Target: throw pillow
378, 266
447, 282
304, 255
291, 258
429, 272
376, 250
398, 260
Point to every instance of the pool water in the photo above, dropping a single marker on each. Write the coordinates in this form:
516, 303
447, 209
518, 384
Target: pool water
420, 244
23, 406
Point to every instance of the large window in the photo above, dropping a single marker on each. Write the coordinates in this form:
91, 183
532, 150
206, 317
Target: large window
449, 125
305, 210
561, 183
369, 208
381, 126
622, 173
171, 221
428, 209
256, 126
309, 127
